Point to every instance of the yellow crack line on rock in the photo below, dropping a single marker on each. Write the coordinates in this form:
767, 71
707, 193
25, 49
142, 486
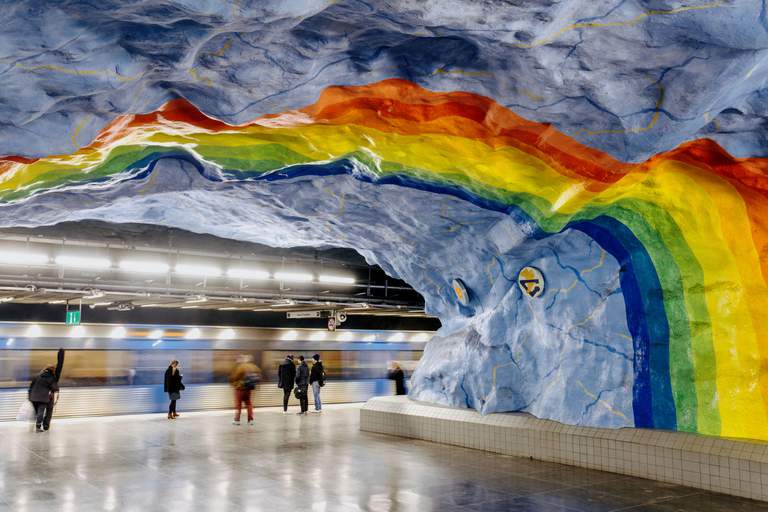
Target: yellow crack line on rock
79, 72
625, 23
80, 125
600, 401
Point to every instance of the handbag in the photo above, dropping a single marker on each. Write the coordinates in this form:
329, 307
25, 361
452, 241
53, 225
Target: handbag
298, 392
26, 412
175, 396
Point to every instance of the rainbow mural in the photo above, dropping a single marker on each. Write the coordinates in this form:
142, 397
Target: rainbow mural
686, 233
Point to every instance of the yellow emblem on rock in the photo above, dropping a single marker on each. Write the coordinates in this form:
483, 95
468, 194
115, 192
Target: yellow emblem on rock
531, 281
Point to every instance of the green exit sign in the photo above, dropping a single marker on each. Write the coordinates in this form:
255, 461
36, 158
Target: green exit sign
73, 317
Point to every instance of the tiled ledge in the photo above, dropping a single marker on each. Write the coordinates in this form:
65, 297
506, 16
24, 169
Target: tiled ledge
728, 466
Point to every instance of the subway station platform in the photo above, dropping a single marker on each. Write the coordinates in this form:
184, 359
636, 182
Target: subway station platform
318, 462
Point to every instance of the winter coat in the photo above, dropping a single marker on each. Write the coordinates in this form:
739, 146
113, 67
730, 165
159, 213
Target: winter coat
399, 377
286, 374
302, 375
317, 373
172, 382
42, 387
237, 377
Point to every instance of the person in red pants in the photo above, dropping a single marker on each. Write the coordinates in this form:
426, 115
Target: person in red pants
244, 378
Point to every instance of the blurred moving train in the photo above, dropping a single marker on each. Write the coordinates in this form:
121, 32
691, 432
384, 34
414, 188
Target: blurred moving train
118, 369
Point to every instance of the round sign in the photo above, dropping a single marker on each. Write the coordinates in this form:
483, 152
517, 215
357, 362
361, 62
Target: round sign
531, 282
461, 292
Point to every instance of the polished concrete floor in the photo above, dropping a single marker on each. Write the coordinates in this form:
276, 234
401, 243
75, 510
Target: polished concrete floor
288, 462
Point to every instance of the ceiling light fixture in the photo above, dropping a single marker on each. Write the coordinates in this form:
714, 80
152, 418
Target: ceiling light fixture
57, 302
247, 273
295, 277
330, 279
157, 333
144, 266
193, 333
101, 304
10, 342
197, 270
196, 299
149, 305
23, 258
94, 294
6, 299
189, 307
83, 262
230, 308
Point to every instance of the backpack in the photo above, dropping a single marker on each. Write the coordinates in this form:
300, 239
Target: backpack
250, 381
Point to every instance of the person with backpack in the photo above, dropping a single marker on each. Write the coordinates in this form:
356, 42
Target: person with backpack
397, 374
244, 378
41, 393
302, 384
173, 386
286, 376
317, 380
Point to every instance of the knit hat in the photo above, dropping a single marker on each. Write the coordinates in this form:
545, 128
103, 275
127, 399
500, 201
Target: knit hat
316, 357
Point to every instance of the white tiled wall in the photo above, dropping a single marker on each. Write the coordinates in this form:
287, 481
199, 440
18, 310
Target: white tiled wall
729, 466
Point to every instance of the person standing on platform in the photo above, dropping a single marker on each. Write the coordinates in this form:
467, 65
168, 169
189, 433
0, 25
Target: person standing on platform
302, 383
244, 378
398, 375
173, 386
317, 380
42, 390
286, 376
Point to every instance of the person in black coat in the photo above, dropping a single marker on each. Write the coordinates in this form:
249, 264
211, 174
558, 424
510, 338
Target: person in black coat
398, 375
41, 394
302, 382
286, 376
317, 380
173, 386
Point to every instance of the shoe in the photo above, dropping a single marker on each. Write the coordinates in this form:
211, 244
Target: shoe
250, 423
286, 412
170, 416
317, 411
175, 415
38, 429
235, 422
300, 413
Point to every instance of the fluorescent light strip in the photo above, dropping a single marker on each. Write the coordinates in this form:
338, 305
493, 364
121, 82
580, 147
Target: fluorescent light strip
197, 270
23, 258
247, 273
189, 307
57, 302
329, 279
150, 305
102, 303
295, 277
227, 309
144, 266
84, 262
6, 299
157, 333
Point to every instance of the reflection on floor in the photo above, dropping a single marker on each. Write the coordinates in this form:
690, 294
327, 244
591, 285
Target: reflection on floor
288, 462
